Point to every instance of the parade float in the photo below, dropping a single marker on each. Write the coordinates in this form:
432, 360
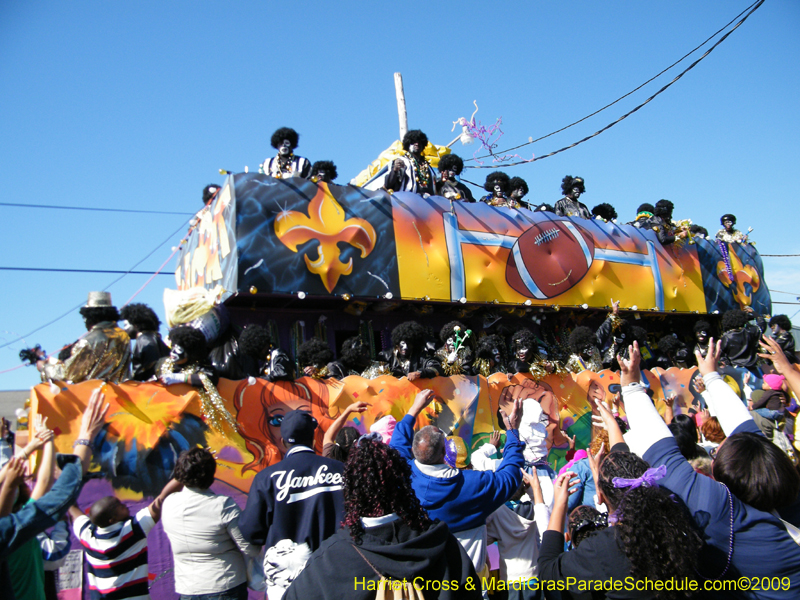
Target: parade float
305, 258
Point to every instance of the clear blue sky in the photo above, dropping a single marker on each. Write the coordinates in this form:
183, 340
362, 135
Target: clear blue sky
137, 105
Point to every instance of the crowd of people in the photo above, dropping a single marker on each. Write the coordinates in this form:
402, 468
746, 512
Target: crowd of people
408, 512
658, 505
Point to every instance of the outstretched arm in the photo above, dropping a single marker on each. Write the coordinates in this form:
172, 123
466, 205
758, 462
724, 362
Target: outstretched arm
336, 426
723, 401
647, 426
772, 351
155, 506
44, 479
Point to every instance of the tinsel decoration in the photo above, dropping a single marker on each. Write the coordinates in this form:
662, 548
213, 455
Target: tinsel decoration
211, 403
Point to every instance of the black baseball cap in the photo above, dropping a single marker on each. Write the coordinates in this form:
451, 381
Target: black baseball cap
298, 426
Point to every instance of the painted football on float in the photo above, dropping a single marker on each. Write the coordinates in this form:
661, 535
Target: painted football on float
549, 258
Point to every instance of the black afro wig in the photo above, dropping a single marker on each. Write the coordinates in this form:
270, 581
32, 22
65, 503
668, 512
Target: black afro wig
191, 340
451, 162
728, 217
412, 333
518, 182
523, 338
98, 314
209, 191
580, 338
254, 341
325, 165
284, 133
605, 211
315, 353
141, 316
669, 344
702, 326
734, 319
497, 177
646, 208
696, 229
545, 208
639, 334
570, 182
781, 321
448, 331
488, 343
354, 351
415, 136
664, 209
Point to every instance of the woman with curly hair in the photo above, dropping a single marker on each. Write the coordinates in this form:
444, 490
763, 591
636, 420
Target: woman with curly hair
651, 534
203, 529
387, 536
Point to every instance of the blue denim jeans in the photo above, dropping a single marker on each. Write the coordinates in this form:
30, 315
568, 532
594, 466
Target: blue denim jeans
772, 415
237, 593
35, 517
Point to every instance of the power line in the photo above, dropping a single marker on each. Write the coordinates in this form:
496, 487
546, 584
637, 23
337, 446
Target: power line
74, 308
120, 210
81, 271
776, 255
626, 115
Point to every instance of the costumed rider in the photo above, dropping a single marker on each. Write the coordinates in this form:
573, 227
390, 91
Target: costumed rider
323, 171
569, 205
781, 328
186, 364
449, 185
411, 172
406, 358
141, 323
313, 356
529, 356
285, 164
455, 354
729, 233
663, 210
673, 353
271, 363
491, 356
518, 189
498, 185
740, 338
49, 367
647, 220
702, 335
105, 351
605, 211
585, 353
354, 359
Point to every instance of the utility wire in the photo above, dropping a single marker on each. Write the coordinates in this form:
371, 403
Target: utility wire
74, 308
120, 210
752, 8
80, 271
779, 255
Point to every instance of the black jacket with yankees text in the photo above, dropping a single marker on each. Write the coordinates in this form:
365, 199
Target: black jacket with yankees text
299, 498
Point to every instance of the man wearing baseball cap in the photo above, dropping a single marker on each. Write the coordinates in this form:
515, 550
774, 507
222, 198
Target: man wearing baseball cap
293, 505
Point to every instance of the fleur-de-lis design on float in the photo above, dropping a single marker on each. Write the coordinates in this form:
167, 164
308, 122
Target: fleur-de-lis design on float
326, 224
742, 274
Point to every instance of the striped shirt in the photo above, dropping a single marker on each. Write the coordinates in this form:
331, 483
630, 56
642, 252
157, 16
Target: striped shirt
116, 556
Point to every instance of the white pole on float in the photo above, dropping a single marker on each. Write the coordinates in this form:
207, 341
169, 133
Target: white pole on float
401, 104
